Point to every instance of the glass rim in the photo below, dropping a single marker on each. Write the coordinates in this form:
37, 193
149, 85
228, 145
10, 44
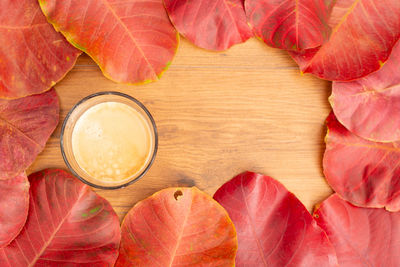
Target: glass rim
153, 124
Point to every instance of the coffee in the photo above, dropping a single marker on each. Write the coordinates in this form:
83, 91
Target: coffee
112, 142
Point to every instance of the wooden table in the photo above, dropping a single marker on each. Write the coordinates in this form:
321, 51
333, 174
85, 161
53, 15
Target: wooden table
218, 114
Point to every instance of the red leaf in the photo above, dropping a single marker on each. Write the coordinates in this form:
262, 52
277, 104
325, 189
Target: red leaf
361, 237
14, 204
362, 172
213, 25
177, 227
363, 35
132, 41
25, 126
370, 107
33, 55
68, 224
273, 227
292, 24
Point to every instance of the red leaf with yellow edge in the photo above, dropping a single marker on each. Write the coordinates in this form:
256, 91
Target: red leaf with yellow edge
363, 172
132, 41
33, 55
14, 204
213, 25
25, 126
291, 24
177, 227
361, 236
363, 35
68, 225
273, 227
370, 107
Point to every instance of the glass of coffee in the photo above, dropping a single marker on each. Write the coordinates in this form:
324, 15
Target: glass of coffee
109, 140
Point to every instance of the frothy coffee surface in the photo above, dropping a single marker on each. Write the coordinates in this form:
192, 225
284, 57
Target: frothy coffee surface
112, 142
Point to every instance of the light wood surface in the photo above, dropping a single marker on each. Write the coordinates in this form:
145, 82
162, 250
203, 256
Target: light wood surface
218, 114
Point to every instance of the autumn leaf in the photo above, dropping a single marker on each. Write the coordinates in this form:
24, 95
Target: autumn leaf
213, 25
361, 236
33, 56
363, 172
14, 204
363, 35
177, 227
131, 41
273, 227
291, 24
25, 126
68, 225
370, 106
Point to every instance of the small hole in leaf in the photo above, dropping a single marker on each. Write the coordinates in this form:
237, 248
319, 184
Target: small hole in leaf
316, 216
178, 194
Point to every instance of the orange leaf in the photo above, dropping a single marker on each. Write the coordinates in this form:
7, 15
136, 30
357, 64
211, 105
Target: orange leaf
33, 56
178, 227
132, 41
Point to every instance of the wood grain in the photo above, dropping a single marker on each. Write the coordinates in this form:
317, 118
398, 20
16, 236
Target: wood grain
219, 114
